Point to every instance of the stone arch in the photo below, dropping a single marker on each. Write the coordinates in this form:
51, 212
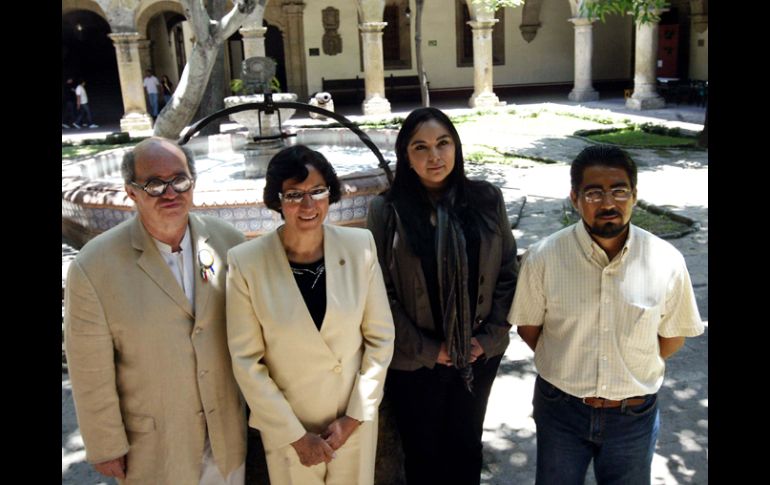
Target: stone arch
286, 16
68, 6
274, 16
530, 18
88, 54
149, 9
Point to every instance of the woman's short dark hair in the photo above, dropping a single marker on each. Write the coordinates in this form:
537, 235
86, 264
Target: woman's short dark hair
290, 163
605, 155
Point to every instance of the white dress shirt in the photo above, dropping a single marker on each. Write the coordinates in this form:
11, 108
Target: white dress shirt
181, 264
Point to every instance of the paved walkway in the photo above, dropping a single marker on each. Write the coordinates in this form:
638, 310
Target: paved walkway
674, 179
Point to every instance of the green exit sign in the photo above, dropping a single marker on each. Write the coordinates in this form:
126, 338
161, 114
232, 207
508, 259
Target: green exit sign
433, 43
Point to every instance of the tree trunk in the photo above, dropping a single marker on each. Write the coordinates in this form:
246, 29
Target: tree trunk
213, 97
209, 36
424, 96
184, 103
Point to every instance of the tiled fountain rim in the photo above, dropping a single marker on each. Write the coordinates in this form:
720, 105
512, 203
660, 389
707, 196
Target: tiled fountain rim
91, 204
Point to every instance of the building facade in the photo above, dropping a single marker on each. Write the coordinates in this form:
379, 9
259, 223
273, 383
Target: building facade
369, 45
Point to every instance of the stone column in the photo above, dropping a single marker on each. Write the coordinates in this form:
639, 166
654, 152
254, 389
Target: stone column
294, 46
145, 60
253, 41
135, 121
483, 96
583, 89
645, 81
374, 68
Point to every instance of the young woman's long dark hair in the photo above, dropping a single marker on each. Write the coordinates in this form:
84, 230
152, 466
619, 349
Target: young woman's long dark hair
468, 199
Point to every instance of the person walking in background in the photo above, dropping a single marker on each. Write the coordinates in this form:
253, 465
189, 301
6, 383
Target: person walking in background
448, 256
152, 86
310, 330
602, 303
84, 110
70, 101
145, 334
168, 89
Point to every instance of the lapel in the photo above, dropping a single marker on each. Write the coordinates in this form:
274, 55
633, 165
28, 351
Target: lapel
335, 272
200, 236
151, 262
294, 305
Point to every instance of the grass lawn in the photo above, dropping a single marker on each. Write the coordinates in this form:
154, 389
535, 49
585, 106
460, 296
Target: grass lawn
641, 138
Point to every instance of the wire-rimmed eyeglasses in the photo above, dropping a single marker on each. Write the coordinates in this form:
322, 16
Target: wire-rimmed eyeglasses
594, 196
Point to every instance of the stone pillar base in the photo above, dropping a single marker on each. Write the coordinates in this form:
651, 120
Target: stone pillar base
652, 102
376, 106
585, 95
485, 100
136, 124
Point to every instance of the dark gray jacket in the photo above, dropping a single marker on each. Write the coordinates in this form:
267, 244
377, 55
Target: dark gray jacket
408, 294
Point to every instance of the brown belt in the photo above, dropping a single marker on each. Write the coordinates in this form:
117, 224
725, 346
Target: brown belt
600, 402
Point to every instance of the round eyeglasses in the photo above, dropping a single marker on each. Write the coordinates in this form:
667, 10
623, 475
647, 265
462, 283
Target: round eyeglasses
296, 196
594, 196
156, 187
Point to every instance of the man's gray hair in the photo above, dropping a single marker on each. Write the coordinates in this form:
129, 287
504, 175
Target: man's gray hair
128, 166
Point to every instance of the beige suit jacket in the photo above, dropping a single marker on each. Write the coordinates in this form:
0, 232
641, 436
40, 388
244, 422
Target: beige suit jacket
150, 374
294, 377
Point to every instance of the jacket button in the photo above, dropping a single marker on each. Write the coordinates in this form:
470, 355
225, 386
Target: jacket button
337, 369
198, 330
202, 373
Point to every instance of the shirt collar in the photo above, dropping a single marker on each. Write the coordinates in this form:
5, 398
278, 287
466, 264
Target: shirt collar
590, 247
184, 245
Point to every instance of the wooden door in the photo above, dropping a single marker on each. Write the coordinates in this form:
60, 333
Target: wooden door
668, 50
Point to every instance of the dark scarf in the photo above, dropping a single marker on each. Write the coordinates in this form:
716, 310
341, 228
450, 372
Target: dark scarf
452, 262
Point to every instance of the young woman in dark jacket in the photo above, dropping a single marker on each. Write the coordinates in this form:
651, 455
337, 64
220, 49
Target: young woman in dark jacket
449, 262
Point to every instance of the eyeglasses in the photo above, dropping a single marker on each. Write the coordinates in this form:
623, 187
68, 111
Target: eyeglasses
594, 196
296, 196
156, 187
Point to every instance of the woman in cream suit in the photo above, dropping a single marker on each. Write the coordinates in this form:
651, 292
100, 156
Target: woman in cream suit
310, 330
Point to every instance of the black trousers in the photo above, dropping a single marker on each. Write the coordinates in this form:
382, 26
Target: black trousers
440, 422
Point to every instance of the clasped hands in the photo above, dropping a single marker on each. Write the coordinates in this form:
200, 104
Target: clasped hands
443, 355
313, 449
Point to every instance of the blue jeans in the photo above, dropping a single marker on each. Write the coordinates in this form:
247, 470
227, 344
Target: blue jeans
153, 104
85, 111
621, 440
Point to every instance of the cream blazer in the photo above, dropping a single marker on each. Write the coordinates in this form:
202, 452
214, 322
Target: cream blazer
149, 373
294, 377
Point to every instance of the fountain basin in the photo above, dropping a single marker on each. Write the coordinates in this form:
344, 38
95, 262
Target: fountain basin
94, 200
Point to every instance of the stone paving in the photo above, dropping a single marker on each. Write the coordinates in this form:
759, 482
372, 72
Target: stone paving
673, 178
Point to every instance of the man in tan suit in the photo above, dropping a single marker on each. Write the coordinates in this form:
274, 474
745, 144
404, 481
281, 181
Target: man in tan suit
145, 335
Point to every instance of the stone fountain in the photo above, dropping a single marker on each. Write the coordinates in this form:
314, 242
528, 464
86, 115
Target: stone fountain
265, 136
231, 167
